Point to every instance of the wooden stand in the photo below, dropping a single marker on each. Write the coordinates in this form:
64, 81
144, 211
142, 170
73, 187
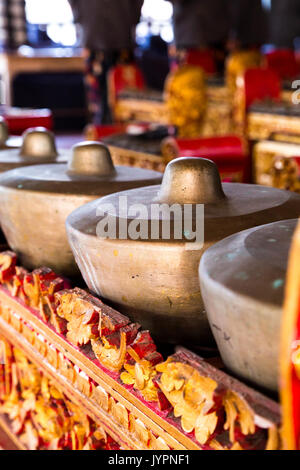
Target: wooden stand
150, 107
12, 64
265, 120
131, 151
276, 162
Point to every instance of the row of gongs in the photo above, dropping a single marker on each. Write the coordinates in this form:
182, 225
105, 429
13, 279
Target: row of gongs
52, 203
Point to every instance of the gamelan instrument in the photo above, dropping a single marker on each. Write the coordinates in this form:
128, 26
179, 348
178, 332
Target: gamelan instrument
276, 162
35, 201
155, 280
243, 294
37, 147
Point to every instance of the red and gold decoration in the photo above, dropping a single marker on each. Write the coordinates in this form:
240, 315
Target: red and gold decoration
95, 380
41, 415
263, 121
229, 153
290, 352
276, 163
186, 99
237, 63
123, 77
255, 85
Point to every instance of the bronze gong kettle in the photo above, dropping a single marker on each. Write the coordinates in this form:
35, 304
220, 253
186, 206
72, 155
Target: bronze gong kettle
155, 280
36, 200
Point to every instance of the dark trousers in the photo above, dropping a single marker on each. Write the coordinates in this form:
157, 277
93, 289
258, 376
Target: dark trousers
98, 64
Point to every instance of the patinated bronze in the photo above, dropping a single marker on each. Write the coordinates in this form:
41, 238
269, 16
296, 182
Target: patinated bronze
155, 281
35, 201
242, 283
38, 146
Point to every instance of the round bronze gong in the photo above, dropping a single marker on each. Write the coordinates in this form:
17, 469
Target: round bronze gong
155, 280
242, 283
37, 146
36, 200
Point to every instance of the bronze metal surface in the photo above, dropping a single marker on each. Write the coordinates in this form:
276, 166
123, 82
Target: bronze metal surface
156, 281
38, 142
92, 159
36, 200
242, 283
185, 182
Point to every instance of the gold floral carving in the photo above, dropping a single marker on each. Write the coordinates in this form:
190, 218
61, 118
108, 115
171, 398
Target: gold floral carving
75, 310
274, 440
237, 409
140, 375
194, 399
39, 412
191, 395
109, 355
200, 404
87, 317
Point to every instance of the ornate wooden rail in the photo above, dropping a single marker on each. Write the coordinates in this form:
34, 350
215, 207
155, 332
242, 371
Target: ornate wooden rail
88, 357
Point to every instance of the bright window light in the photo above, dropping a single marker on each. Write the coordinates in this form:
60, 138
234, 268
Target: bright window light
158, 10
48, 11
64, 34
156, 19
266, 4
57, 16
167, 33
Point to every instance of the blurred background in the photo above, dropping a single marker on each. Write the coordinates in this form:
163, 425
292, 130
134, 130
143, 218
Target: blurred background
47, 60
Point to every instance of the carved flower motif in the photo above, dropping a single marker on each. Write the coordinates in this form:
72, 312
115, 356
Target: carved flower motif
237, 410
191, 396
141, 375
110, 356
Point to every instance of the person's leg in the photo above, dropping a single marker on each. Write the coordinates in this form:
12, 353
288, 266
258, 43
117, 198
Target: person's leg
109, 61
92, 87
97, 66
111, 58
